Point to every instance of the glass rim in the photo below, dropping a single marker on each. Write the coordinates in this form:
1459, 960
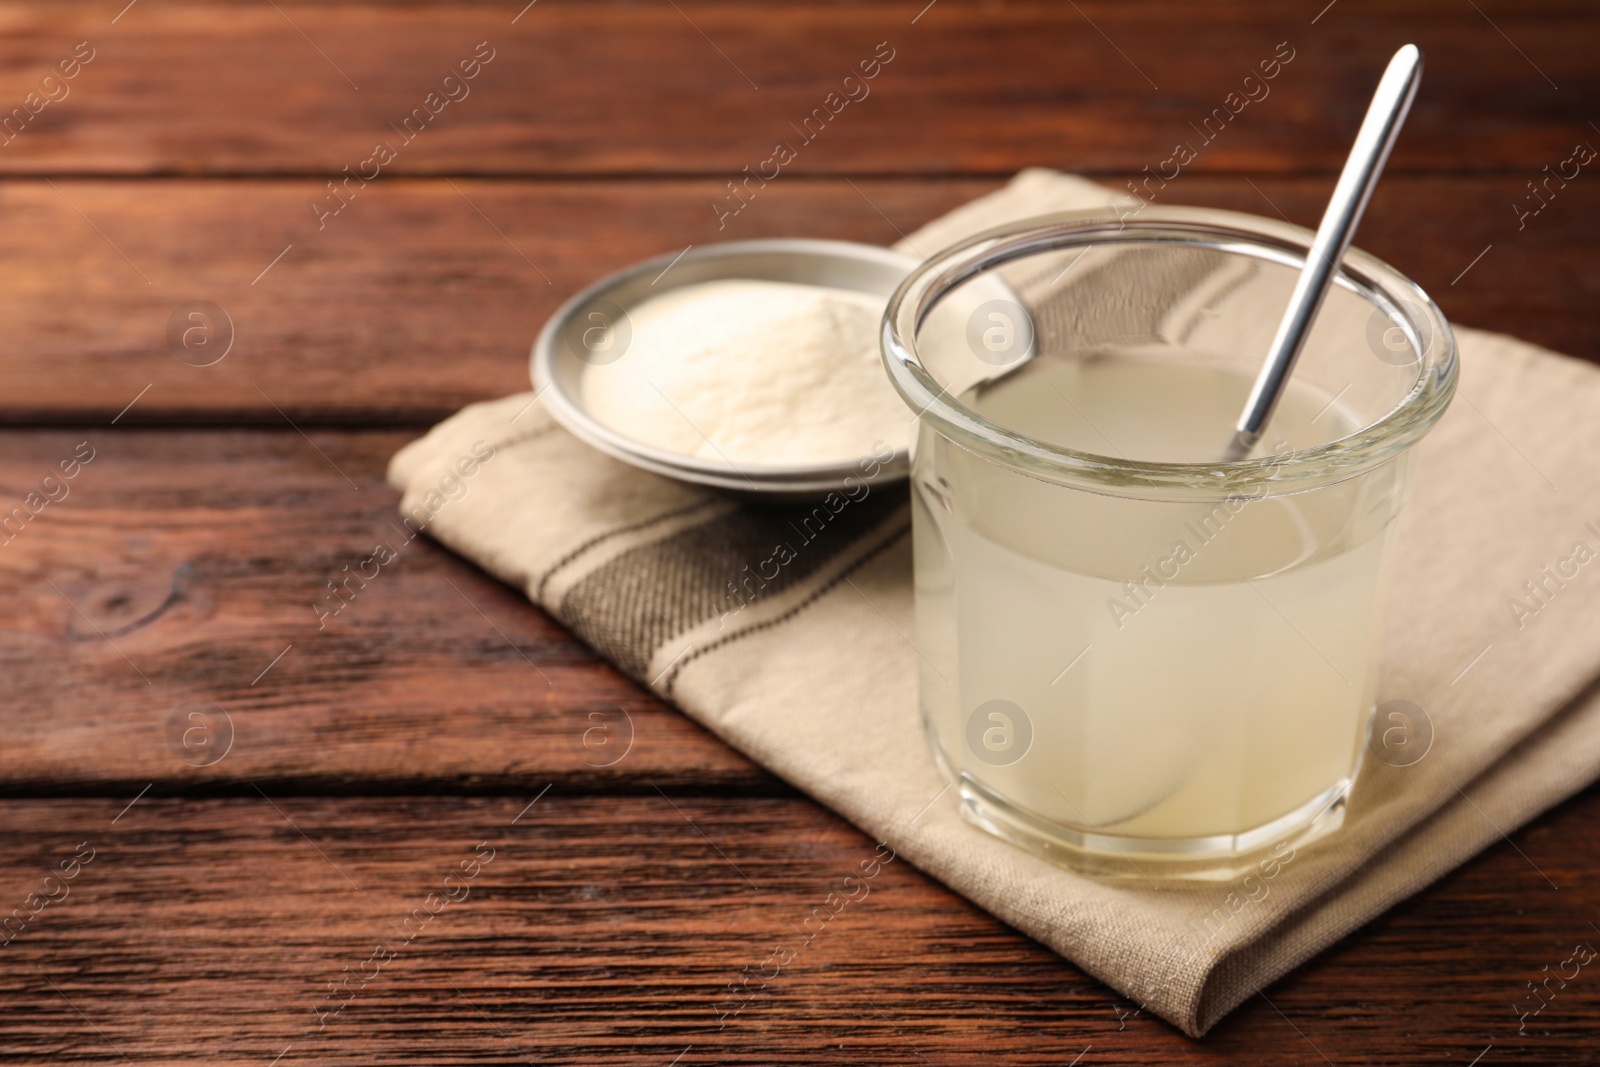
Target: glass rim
1375, 281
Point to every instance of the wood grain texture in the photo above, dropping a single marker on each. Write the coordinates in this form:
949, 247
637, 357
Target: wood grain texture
426, 295
607, 930
645, 87
178, 566
366, 759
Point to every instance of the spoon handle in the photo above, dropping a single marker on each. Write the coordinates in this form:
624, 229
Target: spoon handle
1379, 130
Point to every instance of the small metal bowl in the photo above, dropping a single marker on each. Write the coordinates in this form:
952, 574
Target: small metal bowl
593, 324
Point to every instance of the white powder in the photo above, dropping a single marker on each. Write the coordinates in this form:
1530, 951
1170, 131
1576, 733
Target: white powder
752, 372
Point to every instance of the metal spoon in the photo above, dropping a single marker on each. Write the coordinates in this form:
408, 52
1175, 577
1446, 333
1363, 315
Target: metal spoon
1379, 130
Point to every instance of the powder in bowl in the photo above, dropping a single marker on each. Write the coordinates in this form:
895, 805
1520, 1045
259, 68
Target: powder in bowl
752, 372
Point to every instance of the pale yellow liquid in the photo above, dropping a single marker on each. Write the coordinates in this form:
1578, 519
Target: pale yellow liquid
1233, 693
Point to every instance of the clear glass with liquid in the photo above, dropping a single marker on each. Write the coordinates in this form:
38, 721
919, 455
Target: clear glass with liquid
1133, 656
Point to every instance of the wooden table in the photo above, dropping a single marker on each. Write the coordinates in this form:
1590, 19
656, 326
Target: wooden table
265, 801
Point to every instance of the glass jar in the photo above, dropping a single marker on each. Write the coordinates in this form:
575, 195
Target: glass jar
1134, 656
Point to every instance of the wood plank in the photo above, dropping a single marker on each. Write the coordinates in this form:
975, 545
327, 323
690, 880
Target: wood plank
607, 930
182, 573
710, 87
425, 295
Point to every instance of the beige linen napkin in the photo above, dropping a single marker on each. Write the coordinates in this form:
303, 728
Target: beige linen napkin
815, 679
